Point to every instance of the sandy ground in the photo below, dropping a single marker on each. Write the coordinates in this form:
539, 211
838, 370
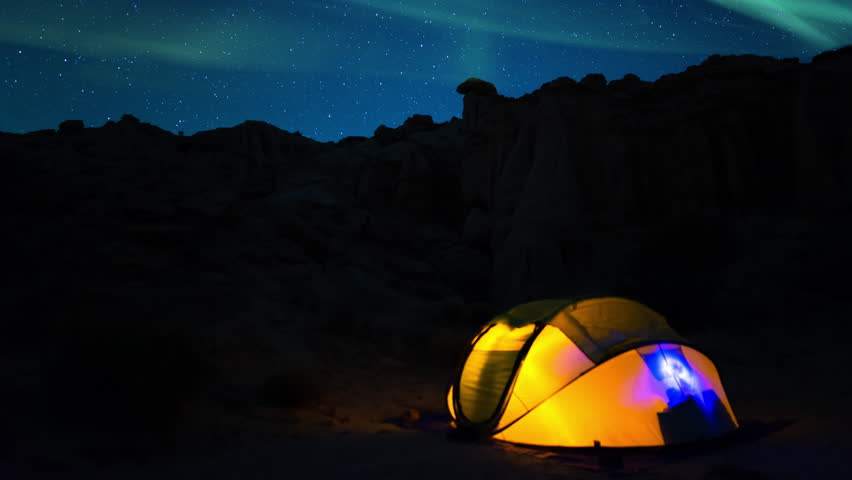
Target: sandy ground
792, 407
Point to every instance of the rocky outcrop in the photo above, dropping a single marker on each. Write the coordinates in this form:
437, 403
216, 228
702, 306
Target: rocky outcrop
413, 170
628, 85
594, 81
476, 86
71, 127
577, 187
734, 134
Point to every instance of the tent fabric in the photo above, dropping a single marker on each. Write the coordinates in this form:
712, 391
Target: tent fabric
553, 361
488, 369
606, 371
601, 327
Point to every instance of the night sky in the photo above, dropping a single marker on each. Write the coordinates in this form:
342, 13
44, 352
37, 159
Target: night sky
333, 68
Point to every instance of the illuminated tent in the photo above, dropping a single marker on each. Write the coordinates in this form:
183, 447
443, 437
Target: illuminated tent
604, 372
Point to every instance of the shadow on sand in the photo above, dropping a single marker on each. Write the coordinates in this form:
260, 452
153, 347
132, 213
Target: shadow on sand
612, 460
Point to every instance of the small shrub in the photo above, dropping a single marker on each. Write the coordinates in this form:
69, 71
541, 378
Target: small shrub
476, 85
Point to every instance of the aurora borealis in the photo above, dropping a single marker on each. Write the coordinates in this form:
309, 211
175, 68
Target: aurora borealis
336, 68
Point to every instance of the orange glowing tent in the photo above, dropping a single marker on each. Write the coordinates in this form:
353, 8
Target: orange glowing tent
604, 372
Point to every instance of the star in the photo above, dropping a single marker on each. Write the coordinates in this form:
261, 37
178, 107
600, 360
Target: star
342, 67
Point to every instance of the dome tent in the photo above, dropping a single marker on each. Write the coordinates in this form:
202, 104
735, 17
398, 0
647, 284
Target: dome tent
604, 372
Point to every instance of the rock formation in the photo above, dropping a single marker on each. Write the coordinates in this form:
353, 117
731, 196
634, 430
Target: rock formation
626, 187
735, 134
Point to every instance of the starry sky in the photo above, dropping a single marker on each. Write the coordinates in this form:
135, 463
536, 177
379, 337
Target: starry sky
335, 68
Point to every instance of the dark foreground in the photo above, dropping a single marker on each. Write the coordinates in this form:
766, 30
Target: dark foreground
795, 425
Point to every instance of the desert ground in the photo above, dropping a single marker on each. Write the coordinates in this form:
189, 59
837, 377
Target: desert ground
343, 409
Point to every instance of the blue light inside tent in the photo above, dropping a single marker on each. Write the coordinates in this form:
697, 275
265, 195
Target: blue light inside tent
669, 366
693, 407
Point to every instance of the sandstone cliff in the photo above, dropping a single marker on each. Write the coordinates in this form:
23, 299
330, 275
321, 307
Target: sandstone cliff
626, 187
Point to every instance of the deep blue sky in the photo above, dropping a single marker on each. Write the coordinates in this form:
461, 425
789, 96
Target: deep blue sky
336, 68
